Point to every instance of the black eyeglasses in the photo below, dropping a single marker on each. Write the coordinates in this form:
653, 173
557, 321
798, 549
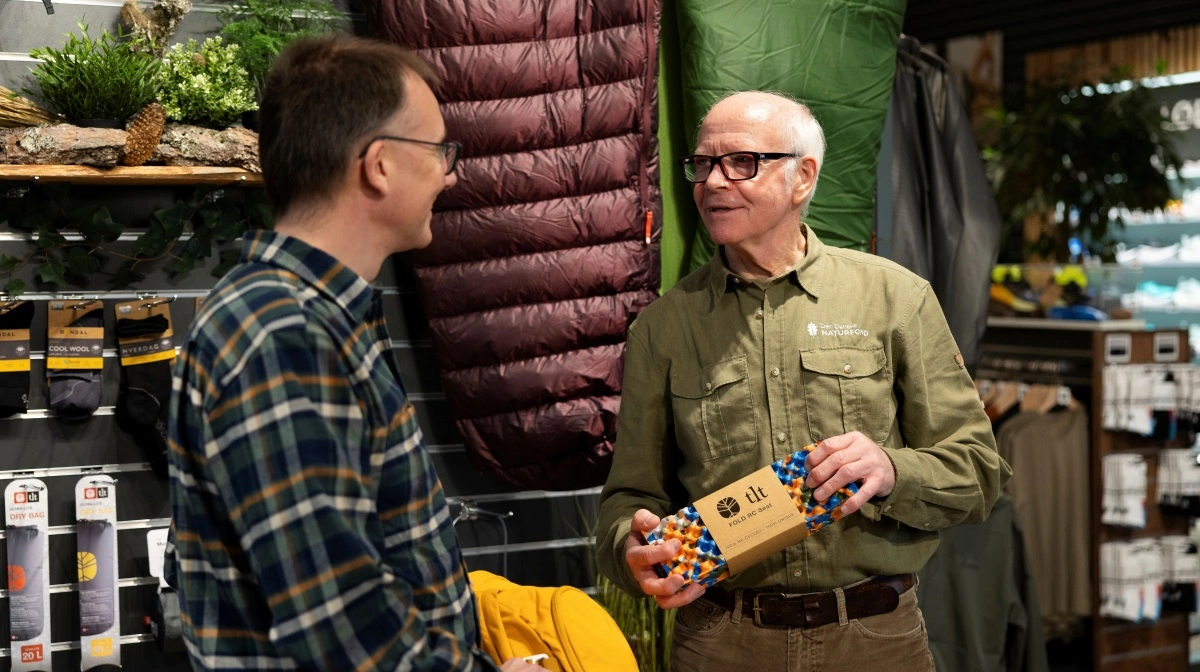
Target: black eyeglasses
449, 151
734, 165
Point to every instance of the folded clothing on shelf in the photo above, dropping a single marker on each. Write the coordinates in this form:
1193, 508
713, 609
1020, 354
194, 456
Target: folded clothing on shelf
700, 559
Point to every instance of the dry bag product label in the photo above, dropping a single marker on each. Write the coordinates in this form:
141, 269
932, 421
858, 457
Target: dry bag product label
26, 566
28, 546
96, 568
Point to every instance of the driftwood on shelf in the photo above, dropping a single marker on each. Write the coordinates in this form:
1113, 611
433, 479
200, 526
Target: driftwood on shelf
181, 145
62, 144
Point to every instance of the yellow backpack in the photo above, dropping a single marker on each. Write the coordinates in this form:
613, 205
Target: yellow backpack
574, 632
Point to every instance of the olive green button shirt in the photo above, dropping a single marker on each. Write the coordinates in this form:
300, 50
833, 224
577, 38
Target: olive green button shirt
724, 376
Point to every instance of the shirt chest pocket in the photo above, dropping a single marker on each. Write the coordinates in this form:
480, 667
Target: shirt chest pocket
847, 390
714, 415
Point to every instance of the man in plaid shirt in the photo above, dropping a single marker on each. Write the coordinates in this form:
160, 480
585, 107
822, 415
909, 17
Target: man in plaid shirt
310, 530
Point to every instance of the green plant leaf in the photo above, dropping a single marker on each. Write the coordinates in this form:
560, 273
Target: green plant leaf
126, 276
153, 242
48, 238
200, 246
14, 287
216, 215
175, 219
95, 224
184, 263
52, 271
9, 264
81, 264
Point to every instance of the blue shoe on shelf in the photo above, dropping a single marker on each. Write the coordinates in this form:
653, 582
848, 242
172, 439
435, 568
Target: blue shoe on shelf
1077, 313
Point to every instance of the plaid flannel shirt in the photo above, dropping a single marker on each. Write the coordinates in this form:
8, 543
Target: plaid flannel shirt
310, 530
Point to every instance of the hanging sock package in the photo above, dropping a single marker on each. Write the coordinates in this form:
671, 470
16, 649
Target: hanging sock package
748, 520
15, 319
28, 578
96, 564
146, 345
75, 357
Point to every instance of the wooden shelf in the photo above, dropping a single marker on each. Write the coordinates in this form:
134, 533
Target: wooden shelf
124, 175
1066, 325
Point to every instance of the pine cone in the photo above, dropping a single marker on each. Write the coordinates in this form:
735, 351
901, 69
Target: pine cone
145, 130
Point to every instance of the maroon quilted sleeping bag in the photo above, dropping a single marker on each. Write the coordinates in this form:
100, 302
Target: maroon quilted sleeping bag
540, 257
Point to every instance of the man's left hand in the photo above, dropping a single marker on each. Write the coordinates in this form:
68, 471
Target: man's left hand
840, 460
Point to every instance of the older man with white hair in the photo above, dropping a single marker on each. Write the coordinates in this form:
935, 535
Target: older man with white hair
779, 342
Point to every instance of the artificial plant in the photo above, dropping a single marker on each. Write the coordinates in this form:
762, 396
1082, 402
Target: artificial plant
261, 28
648, 628
77, 243
204, 84
1071, 159
95, 78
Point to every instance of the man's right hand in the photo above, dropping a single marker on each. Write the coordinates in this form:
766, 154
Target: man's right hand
642, 558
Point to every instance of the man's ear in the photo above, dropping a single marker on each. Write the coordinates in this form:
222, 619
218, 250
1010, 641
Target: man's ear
805, 180
373, 171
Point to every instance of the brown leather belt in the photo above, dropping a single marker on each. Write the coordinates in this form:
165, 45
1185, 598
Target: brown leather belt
880, 595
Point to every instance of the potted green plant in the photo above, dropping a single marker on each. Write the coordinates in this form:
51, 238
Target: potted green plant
204, 84
648, 628
1074, 154
95, 82
261, 28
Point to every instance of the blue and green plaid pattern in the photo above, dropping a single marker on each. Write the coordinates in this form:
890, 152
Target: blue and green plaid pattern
310, 530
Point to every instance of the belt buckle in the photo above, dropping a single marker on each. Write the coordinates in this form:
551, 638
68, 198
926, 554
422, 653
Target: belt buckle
758, 609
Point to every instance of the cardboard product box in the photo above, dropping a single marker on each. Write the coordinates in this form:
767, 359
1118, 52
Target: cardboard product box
742, 523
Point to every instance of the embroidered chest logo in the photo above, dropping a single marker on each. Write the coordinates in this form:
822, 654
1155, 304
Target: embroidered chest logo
836, 330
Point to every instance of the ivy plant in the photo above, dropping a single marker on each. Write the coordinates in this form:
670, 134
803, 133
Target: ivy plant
213, 219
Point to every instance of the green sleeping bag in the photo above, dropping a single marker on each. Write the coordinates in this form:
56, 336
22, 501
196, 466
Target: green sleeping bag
838, 57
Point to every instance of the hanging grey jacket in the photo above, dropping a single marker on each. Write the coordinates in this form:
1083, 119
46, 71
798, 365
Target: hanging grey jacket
945, 219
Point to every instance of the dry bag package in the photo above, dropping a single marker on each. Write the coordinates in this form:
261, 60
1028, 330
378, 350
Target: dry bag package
28, 579
96, 562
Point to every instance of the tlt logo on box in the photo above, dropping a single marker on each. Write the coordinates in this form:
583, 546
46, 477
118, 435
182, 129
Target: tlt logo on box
95, 493
32, 654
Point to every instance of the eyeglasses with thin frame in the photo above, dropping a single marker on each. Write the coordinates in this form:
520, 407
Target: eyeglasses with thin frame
449, 151
735, 166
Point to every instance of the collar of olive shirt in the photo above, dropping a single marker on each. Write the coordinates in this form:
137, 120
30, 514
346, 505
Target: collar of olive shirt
806, 274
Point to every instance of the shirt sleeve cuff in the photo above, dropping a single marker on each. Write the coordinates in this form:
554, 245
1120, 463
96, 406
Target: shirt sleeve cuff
903, 497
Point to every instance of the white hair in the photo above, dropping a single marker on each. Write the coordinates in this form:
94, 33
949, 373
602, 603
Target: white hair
802, 133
